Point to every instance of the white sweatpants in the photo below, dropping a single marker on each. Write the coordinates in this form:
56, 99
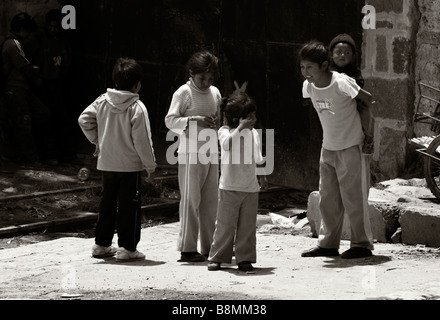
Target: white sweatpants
343, 189
198, 185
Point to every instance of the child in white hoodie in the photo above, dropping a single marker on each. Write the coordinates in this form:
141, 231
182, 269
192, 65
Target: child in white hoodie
117, 123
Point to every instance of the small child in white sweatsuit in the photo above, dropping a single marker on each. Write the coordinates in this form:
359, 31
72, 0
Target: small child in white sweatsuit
238, 188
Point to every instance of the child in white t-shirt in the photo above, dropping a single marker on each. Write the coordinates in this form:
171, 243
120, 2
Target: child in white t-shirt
238, 187
344, 172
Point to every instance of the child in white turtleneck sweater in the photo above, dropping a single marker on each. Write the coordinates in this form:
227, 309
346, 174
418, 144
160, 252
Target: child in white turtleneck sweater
117, 123
195, 105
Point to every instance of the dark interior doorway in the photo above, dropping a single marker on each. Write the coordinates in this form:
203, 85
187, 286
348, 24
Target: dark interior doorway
257, 41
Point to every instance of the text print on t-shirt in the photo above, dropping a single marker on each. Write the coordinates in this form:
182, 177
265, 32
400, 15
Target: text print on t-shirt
325, 106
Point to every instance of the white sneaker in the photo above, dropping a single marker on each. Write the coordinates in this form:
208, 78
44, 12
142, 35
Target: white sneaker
124, 254
102, 252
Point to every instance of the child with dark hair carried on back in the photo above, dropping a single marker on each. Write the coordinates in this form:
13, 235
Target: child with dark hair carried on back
343, 51
238, 188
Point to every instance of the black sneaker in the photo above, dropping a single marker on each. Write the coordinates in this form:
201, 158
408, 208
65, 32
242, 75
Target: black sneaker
245, 266
356, 252
191, 257
320, 252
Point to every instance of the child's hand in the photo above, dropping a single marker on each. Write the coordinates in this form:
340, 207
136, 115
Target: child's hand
150, 177
216, 120
205, 122
247, 123
96, 153
264, 184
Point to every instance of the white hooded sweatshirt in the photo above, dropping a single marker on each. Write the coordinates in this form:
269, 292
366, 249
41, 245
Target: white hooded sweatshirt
117, 122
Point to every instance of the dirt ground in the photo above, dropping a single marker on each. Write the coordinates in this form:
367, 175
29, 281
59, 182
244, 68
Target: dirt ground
31, 263
62, 269
39, 193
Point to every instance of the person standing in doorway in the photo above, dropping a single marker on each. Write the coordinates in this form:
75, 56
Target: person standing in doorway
51, 52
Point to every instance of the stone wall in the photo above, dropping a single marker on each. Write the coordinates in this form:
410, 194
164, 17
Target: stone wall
388, 66
427, 69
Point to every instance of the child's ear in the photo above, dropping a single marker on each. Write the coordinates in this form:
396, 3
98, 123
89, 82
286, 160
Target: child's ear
325, 65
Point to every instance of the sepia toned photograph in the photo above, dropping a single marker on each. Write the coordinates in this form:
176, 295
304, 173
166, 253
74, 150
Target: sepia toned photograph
219, 158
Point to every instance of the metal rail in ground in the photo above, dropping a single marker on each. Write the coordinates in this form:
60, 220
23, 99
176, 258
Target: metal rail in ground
163, 208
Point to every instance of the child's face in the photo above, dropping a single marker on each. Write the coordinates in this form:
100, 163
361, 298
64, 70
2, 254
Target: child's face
203, 80
342, 54
313, 72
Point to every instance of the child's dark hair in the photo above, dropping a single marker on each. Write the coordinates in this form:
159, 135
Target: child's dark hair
314, 51
236, 106
201, 62
126, 74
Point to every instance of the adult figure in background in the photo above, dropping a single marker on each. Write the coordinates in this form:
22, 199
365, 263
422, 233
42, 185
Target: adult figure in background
29, 119
51, 52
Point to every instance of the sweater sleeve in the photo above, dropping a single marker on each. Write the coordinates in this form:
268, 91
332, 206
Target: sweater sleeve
257, 145
88, 124
175, 119
16, 54
141, 133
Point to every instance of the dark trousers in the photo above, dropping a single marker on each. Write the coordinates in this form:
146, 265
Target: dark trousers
120, 207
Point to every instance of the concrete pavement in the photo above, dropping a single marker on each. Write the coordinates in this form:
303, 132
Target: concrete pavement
64, 269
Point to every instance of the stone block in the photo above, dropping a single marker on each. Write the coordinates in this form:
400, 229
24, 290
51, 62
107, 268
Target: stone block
388, 6
401, 55
382, 63
384, 25
420, 226
378, 224
392, 150
313, 213
392, 97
